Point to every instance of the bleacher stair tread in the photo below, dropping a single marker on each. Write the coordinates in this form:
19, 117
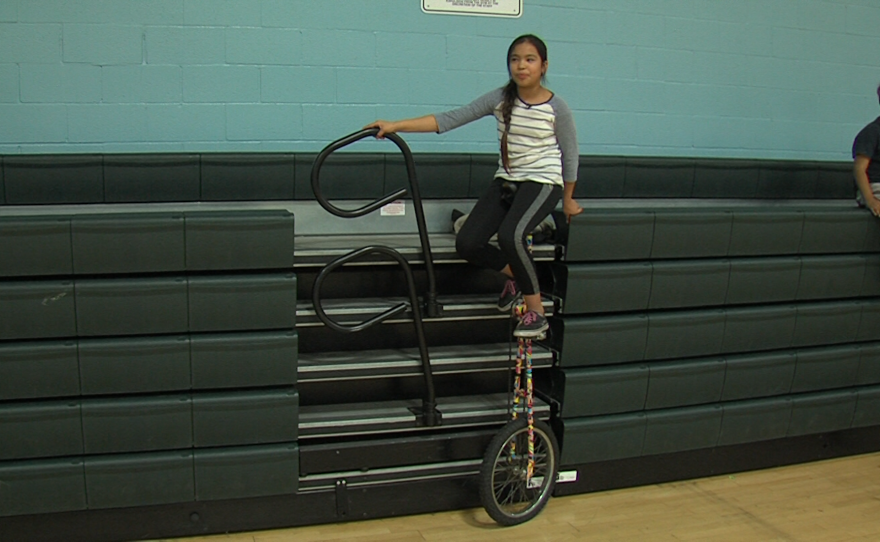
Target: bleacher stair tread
397, 416
327, 366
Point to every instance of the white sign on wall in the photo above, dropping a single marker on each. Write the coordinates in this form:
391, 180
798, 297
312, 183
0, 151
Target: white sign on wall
489, 8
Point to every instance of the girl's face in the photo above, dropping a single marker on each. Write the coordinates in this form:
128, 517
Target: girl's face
525, 66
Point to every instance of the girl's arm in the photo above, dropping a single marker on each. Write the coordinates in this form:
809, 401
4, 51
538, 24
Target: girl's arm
569, 206
427, 123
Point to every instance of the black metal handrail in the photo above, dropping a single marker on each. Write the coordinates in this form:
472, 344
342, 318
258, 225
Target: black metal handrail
428, 416
432, 307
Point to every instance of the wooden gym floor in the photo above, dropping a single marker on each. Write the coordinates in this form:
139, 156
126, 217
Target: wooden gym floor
828, 501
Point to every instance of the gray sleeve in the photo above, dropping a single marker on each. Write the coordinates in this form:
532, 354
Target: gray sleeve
566, 135
481, 107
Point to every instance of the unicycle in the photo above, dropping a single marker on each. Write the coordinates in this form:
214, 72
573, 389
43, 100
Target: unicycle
521, 463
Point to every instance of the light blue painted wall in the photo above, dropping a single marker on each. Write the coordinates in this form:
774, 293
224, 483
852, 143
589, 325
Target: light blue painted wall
726, 78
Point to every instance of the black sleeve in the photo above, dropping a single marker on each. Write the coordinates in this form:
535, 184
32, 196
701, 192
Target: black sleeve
867, 141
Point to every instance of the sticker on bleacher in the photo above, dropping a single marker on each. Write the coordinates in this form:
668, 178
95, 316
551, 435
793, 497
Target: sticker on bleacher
395, 208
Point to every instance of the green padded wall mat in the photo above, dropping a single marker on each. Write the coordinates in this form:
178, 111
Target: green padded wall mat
758, 375
827, 323
604, 235
683, 383
54, 179
831, 277
37, 310
763, 280
871, 282
826, 368
135, 364
130, 243
599, 340
611, 287
680, 429
242, 302
239, 240
758, 233
440, 175
684, 334
246, 471
35, 246
756, 420
869, 325
604, 390
246, 177
42, 487
159, 177
835, 231
824, 412
241, 360
245, 417
131, 306
137, 424
691, 234
32, 370
602, 438
40, 429
679, 284
869, 365
867, 412
355, 175
759, 328
122, 480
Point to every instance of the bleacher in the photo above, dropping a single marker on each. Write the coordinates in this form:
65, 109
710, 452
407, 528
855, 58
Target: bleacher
161, 357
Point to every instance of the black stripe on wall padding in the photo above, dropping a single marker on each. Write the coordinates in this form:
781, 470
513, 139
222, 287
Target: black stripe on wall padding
177, 177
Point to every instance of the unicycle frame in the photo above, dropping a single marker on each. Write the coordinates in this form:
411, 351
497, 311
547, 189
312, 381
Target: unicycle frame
516, 484
524, 396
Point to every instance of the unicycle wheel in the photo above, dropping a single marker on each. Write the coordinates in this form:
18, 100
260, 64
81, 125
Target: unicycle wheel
509, 496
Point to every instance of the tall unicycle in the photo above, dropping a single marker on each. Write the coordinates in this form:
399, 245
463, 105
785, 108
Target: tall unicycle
521, 463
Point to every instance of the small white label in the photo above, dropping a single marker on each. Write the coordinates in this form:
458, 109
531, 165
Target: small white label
567, 476
491, 8
395, 208
561, 478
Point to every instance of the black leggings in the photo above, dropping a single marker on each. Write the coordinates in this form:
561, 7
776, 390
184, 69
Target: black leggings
532, 202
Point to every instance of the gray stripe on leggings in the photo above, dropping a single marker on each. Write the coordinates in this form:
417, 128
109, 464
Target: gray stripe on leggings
519, 232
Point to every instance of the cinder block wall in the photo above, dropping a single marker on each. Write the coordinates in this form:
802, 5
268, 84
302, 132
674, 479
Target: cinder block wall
781, 79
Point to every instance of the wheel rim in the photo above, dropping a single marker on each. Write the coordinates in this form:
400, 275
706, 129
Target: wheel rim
514, 495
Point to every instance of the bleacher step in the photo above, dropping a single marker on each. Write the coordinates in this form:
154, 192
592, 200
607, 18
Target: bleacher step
318, 250
354, 311
334, 366
398, 416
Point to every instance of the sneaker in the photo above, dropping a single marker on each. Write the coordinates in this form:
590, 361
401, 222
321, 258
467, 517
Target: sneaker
531, 326
510, 296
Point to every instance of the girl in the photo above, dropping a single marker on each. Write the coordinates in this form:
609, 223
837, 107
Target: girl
538, 166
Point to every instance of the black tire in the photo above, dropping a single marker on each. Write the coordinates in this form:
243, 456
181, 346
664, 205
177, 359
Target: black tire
504, 491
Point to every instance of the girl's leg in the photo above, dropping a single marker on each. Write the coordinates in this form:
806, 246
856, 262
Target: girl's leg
532, 203
472, 241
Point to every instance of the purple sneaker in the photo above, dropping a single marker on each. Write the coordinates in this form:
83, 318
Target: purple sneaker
510, 296
531, 326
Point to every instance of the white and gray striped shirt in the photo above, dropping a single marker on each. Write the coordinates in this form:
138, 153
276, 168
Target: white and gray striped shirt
542, 142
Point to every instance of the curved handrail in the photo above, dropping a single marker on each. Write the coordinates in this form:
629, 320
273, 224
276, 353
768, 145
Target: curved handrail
430, 416
431, 305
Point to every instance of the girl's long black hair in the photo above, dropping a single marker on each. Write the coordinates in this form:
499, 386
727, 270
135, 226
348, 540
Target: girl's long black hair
509, 93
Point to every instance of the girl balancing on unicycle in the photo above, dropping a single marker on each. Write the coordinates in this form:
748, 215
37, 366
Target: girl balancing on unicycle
537, 167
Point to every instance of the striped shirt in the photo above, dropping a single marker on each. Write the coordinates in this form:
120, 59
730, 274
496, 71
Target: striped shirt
542, 142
